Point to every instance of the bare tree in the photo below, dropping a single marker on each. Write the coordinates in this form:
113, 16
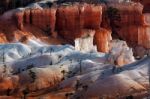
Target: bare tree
80, 65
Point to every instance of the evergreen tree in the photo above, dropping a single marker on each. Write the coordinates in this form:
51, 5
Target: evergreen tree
114, 17
32, 75
30, 66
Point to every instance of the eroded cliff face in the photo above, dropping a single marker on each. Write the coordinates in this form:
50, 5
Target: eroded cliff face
44, 19
133, 26
102, 39
69, 21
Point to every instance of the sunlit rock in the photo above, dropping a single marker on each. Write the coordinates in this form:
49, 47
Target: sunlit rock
85, 42
120, 53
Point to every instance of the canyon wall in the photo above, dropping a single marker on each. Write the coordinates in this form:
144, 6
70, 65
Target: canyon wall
72, 19
130, 24
69, 21
102, 39
43, 19
133, 26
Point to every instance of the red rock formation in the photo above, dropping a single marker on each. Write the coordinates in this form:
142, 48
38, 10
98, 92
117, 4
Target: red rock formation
43, 19
20, 19
92, 16
134, 25
27, 16
68, 18
102, 38
129, 34
72, 19
144, 36
68, 21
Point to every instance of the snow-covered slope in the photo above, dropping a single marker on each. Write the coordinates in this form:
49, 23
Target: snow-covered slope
90, 75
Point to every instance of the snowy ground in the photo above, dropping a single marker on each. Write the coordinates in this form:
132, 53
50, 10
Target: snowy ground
89, 74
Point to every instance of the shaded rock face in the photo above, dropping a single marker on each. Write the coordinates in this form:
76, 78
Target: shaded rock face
44, 19
71, 19
68, 21
133, 25
146, 4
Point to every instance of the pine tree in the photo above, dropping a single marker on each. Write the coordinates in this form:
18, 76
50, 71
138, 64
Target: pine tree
80, 63
114, 17
30, 66
32, 75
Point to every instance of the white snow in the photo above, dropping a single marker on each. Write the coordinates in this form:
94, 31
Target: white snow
52, 63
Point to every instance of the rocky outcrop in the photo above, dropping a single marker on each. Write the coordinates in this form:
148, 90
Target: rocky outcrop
144, 37
85, 42
120, 53
71, 19
133, 25
44, 19
129, 23
102, 39
68, 21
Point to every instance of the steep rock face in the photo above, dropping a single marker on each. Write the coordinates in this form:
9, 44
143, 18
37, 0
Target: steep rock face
144, 37
67, 20
44, 19
102, 38
71, 19
20, 20
133, 26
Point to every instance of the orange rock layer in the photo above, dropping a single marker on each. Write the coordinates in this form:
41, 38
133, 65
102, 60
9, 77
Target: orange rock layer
134, 25
102, 39
72, 19
69, 21
42, 19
